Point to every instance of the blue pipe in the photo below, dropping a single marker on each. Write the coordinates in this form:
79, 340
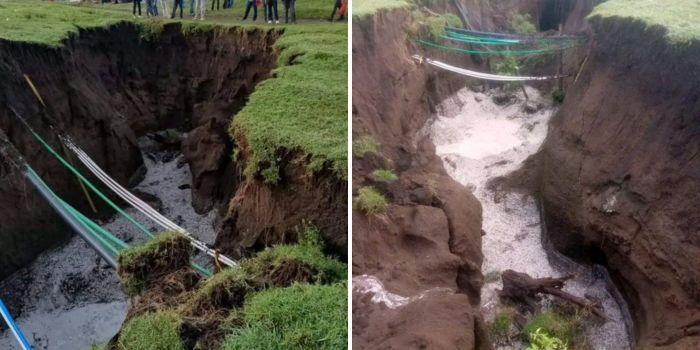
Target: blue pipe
13, 326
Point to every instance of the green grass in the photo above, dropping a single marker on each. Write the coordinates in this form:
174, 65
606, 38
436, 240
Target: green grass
522, 23
297, 317
304, 107
49, 23
500, 326
363, 8
327, 269
543, 341
437, 24
152, 331
385, 175
371, 201
166, 251
555, 324
679, 17
364, 145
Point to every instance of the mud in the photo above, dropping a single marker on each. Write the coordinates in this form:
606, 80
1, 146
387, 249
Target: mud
68, 298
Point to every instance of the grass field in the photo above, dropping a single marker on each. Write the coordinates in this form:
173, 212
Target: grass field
680, 17
362, 8
303, 108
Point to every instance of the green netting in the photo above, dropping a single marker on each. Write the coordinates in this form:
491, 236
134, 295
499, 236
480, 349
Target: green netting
91, 186
91, 225
488, 52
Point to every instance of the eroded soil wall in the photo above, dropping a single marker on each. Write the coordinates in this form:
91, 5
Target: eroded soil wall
105, 88
620, 173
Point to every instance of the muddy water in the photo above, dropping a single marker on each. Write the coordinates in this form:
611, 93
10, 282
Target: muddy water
479, 140
69, 298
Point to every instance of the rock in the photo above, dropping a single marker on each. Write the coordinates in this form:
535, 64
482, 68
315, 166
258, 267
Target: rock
503, 99
530, 107
184, 186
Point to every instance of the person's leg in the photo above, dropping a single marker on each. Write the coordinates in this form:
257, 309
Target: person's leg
255, 12
277, 15
248, 5
286, 11
333, 13
133, 8
268, 10
294, 11
202, 9
139, 3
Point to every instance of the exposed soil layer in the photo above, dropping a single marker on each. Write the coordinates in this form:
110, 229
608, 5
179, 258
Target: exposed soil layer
107, 87
620, 172
430, 236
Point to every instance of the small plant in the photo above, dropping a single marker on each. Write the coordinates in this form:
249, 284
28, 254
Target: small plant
385, 175
371, 201
567, 328
437, 24
522, 24
542, 341
365, 145
500, 326
557, 96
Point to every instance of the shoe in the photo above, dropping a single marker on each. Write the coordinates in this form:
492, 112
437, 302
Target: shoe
277, 22
269, 22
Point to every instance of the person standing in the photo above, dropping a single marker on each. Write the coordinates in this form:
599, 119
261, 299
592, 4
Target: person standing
248, 5
151, 8
136, 3
200, 9
272, 5
175, 5
336, 7
289, 6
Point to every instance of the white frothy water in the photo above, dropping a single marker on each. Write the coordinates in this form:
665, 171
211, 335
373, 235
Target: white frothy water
71, 298
367, 284
479, 140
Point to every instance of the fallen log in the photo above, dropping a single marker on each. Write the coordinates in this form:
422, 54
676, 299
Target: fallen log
521, 288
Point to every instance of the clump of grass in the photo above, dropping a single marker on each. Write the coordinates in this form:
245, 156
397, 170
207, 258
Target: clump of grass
437, 24
283, 265
303, 108
225, 290
152, 331
553, 323
385, 175
364, 145
557, 96
167, 252
522, 23
500, 326
371, 201
297, 317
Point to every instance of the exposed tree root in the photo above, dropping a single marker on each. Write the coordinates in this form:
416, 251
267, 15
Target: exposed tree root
521, 288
